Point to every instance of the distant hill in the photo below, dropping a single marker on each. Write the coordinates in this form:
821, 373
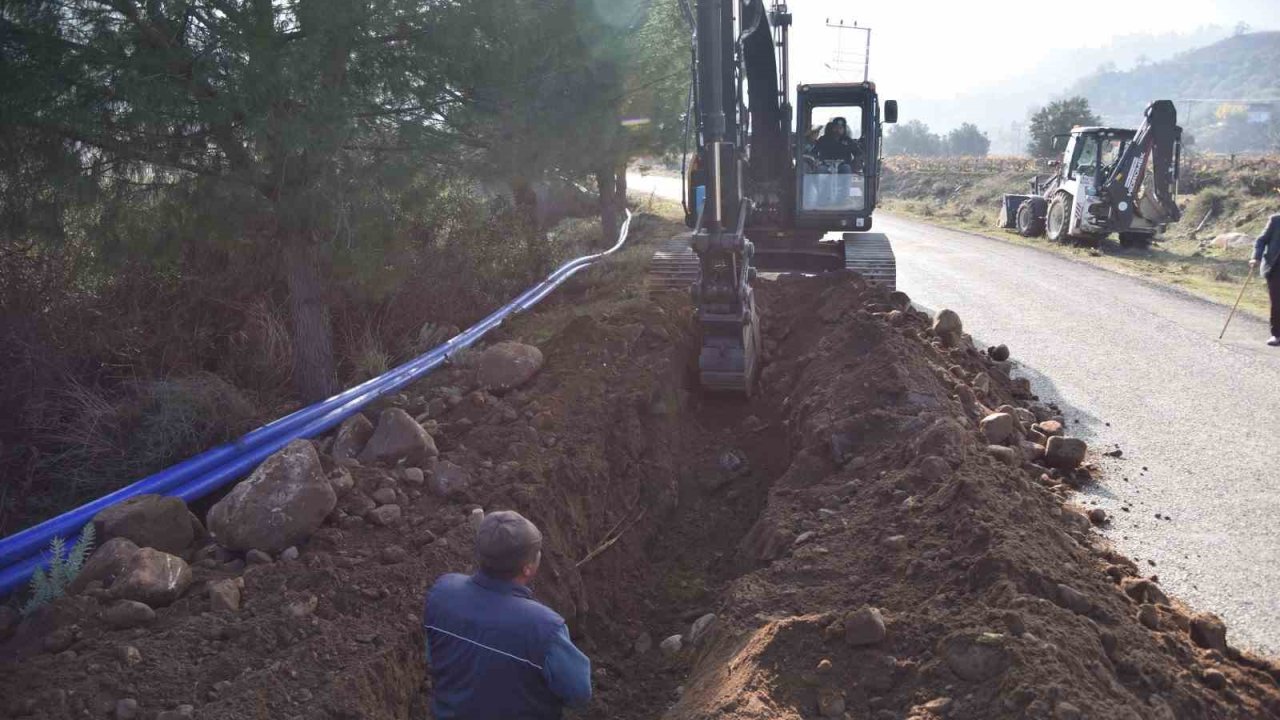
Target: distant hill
1240, 68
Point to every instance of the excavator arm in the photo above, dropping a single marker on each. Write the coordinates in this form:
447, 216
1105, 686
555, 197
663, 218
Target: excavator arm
1144, 180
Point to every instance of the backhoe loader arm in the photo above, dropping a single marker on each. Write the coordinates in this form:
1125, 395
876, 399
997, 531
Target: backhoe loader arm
1133, 189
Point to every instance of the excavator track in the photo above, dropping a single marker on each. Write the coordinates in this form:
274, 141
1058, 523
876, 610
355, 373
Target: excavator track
673, 267
871, 255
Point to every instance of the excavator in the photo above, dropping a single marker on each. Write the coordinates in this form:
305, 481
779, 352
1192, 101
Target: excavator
762, 193
1109, 179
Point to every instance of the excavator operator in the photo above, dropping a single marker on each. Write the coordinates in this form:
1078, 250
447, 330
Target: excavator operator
835, 146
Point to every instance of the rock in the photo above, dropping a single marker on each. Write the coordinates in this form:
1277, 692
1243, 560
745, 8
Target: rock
448, 479
643, 644
1073, 600
700, 627
934, 469
1149, 616
864, 626
1049, 428
224, 595
124, 614
999, 353
1233, 239
1066, 711
385, 496
285, 500
896, 543
152, 577
182, 712
126, 709
257, 557
975, 658
1031, 451
413, 476
1208, 631
128, 655
393, 554
671, 646
899, 299
507, 365
353, 435
105, 564
947, 326
398, 437
1006, 455
830, 703
938, 706
302, 607
475, 518
154, 521
59, 640
1143, 590
1064, 453
384, 515
1097, 516
1214, 679
357, 503
289, 554
341, 481
998, 427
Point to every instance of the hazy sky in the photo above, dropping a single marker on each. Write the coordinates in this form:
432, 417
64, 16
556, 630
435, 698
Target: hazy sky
940, 48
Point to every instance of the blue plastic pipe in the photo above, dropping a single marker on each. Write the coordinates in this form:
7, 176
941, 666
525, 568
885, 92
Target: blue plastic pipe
198, 476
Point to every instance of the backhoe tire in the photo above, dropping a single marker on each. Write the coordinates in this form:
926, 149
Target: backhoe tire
1057, 219
1135, 241
1029, 222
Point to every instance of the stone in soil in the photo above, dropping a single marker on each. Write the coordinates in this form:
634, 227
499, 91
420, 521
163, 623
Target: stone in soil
700, 627
104, 565
1143, 590
124, 614
398, 437
281, 504
154, 521
507, 365
152, 577
393, 554
975, 657
1208, 631
448, 479
384, 515
353, 435
864, 626
257, 557
998, 427
671, 646
224, 596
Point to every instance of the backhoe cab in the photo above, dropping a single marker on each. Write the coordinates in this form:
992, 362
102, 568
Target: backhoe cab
1109, 180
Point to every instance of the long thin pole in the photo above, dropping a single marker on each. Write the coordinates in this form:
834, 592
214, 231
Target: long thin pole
1247, 278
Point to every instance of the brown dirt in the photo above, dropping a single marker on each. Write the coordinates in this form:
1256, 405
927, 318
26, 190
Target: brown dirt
610, 438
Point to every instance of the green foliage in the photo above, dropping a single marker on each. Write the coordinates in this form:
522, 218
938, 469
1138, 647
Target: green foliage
912, 138
967, 140
49, 584
915, 138
1057, 118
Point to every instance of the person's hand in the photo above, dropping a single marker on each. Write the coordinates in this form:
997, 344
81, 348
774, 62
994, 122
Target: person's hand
1252, 263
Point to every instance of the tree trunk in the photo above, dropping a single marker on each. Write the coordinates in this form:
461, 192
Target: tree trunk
313, 365
607, 187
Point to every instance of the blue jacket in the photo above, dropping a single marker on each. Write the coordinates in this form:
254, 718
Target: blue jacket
495, 653
1267, 247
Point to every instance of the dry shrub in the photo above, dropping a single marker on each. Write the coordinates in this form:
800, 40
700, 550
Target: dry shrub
96, 441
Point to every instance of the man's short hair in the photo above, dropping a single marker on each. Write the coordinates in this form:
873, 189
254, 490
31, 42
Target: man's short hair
505, 543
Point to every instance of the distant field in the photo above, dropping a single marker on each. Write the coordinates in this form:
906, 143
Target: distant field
1226, 195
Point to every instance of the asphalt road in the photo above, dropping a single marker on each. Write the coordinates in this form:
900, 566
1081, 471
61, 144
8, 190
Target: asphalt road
1138, 366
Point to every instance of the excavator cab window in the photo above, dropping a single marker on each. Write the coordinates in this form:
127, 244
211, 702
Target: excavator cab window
833, 158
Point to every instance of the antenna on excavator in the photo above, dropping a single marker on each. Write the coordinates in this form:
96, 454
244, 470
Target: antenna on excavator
845, 59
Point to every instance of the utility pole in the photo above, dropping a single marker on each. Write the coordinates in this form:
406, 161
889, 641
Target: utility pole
844, 59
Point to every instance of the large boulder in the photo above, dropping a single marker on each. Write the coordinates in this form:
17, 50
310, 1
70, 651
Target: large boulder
398, 437
507, 365
154, 521
153, 578
106, 564
353, 435
279, 505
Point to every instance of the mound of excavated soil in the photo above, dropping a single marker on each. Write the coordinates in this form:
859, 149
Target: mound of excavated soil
864, 553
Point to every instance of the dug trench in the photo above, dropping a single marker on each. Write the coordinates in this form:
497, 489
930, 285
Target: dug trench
859, 540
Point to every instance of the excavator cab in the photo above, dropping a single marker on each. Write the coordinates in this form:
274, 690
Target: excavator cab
837, 176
